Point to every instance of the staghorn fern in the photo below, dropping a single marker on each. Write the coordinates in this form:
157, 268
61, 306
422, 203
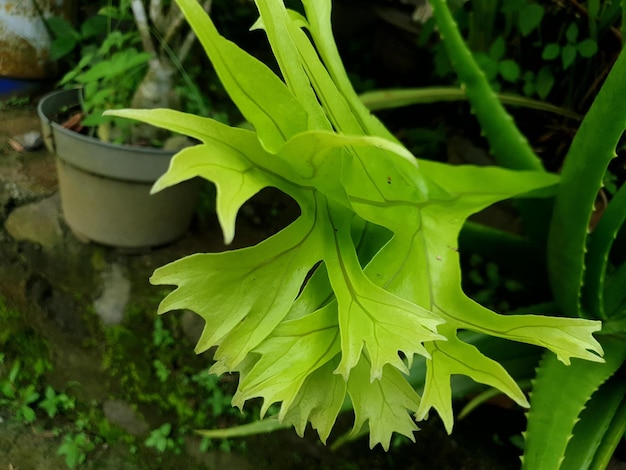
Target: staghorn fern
337, 304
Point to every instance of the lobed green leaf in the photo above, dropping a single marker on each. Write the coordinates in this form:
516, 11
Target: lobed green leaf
383, 403
456, 357
267, 277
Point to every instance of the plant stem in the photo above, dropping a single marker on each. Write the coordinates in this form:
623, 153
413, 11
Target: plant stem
139, 12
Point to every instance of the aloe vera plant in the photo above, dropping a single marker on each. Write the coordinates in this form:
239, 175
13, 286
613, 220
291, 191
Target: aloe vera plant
336, 305
586, 284
582, 431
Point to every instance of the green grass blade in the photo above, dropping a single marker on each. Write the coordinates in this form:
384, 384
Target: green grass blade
586, 162
396, 98
263, 426
593, 9
599, 247
559, 395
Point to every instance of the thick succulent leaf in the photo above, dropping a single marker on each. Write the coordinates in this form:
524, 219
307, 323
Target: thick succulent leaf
599, 248
585, 164
384, 403
508, 144
598, 423
613, 437
457, 357
553, 413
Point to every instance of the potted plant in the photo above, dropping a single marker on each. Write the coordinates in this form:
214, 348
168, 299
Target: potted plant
106, 166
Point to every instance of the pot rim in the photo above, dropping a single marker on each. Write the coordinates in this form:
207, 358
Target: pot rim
119, 161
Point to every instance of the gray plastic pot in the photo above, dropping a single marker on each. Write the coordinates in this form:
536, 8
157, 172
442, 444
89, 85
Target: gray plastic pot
105, 188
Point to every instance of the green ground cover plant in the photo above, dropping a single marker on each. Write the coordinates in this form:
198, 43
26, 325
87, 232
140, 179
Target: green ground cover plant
79, 426
166, 362
24, 396
362, 293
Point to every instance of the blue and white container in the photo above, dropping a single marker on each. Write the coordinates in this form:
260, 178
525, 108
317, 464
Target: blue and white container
25, 41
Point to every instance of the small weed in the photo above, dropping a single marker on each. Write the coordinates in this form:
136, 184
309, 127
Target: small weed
161, 371
205, 444
161, 440
160, 336
55, 402
20, 399
75, 448
15, 102
20, 393
218, 401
